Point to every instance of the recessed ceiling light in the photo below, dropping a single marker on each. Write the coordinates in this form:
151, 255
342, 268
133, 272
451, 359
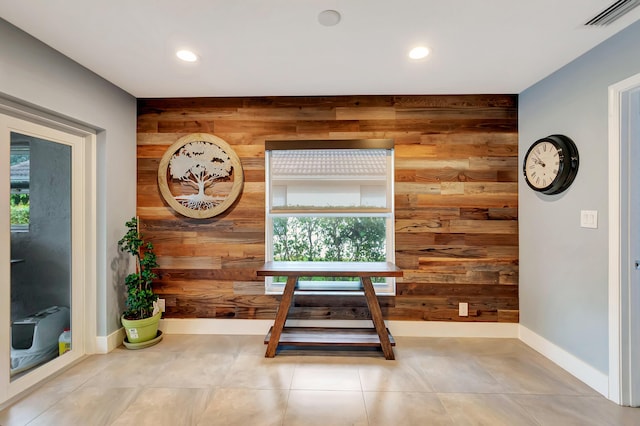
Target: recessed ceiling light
329, 18
187, 55
419, 52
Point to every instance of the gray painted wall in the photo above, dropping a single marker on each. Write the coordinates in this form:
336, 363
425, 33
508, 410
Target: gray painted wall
563, 267
35, 74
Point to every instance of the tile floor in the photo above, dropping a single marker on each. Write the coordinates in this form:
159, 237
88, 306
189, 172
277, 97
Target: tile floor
225, 380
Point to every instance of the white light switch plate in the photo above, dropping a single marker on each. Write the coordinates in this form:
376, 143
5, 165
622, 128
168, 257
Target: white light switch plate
589, 218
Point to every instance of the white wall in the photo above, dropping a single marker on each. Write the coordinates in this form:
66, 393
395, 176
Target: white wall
563, 267
35, 74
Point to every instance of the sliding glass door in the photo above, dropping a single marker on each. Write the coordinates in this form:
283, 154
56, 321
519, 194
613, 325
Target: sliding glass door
43, 254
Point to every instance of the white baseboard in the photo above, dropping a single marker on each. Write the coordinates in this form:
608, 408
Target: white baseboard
596, 379
452, 329
105, 344
397, 328
214, 326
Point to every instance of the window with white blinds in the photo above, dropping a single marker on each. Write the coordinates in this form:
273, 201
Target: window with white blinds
330, 179
330, 201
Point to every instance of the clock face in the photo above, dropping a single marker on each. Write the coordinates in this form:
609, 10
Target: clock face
551, 164
542, 164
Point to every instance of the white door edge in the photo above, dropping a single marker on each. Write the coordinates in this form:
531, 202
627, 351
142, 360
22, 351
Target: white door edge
616, 392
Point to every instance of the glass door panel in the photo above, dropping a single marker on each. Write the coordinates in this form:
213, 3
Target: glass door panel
41, 263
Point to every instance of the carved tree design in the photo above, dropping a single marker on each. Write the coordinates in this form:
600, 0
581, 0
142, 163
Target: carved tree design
200, 161
200, 164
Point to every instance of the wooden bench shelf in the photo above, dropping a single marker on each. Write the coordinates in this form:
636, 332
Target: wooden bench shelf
378, 336
329, 336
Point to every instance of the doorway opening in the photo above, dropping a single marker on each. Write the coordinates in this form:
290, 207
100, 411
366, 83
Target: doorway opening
624, 242
47, 243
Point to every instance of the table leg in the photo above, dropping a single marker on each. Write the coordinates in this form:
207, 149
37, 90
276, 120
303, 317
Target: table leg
281, 316
376, 317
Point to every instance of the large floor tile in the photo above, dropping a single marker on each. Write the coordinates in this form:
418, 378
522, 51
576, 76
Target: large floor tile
132, 369
164, 407
485, 410
30, 407
495, 347
204, 343
326, 377
407, 347
323, 408
258, 372
240, 407
88, 406
194, 370
80, 373
251, 345
394, 376
405, 408
577, 411
532, 376
458, 374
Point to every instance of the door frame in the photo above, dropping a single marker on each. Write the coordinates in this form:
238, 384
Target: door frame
620, 321
83, 238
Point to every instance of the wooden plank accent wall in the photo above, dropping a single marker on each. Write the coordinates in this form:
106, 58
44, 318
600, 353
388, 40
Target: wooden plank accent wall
456, 203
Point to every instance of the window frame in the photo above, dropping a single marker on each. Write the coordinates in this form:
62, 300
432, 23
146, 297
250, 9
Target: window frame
386, 288
22, 146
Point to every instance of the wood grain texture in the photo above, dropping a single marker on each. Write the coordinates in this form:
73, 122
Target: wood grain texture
456, 203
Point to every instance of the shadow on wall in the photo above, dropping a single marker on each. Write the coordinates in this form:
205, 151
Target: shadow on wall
120, 268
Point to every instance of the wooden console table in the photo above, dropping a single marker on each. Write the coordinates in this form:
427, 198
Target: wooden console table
378, 336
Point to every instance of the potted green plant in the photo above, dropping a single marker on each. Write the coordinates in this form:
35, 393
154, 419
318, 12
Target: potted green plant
139, 321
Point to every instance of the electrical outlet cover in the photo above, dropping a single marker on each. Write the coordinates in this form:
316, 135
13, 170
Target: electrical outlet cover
463, 309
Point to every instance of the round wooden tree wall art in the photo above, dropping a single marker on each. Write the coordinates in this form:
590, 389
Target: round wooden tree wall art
200, 176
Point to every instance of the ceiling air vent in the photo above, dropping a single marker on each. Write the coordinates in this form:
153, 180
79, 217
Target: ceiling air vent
613, 12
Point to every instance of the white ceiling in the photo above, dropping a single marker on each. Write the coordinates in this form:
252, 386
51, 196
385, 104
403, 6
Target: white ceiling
278, 47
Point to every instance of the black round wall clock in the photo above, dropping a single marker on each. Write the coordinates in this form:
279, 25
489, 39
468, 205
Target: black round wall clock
551, 164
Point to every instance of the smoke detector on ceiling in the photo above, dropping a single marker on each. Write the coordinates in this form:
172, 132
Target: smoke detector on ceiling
329, 18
